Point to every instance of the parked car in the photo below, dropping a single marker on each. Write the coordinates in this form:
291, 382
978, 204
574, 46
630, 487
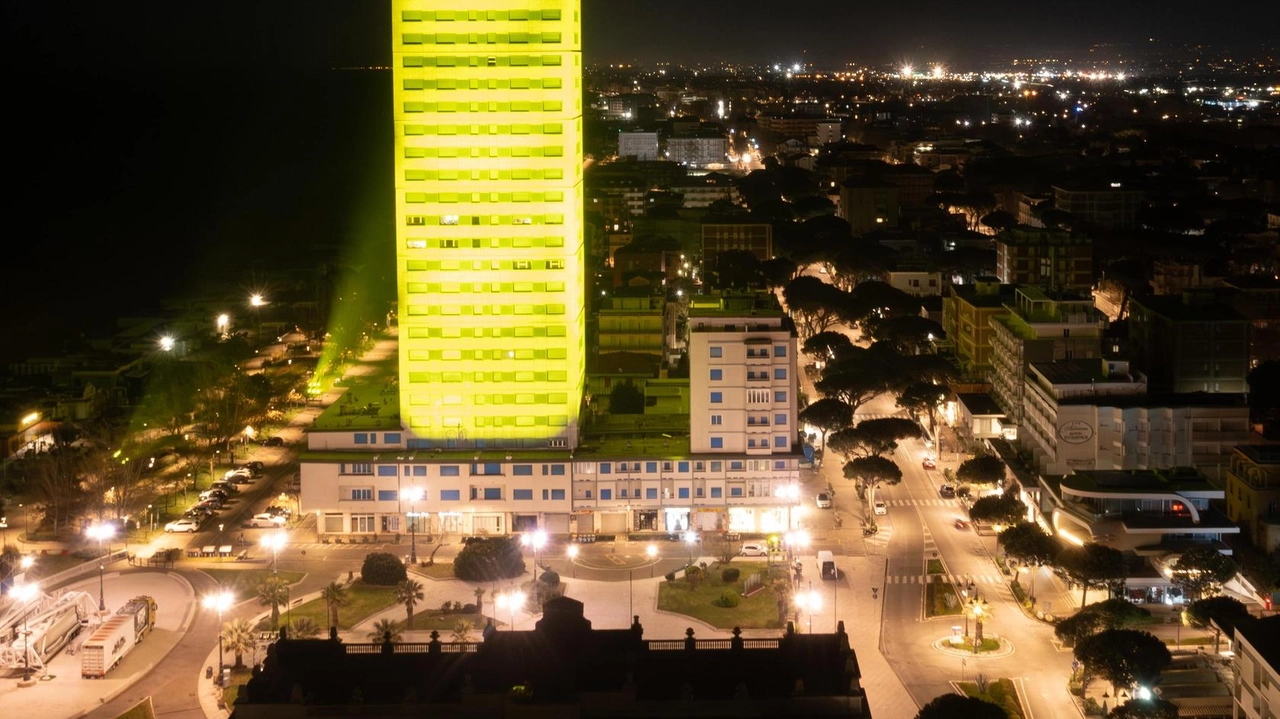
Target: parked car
823, 500
273, 442
754, 549
946, 491
197, 513
929, 463
238, 472
267, 519
254, 466
190, 526
213, 494
881, 507
213, 504
225, 486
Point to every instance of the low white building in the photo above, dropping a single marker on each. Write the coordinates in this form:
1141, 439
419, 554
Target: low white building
640, 146
1095, 414
1256, 693
698, 150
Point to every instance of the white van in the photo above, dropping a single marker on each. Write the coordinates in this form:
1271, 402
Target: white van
827, 565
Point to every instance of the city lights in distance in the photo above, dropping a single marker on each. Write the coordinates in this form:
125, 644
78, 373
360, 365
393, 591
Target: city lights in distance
908, 71
938, 72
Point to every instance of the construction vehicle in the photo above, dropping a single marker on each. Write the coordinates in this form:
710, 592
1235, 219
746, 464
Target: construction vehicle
117, 636
32, 634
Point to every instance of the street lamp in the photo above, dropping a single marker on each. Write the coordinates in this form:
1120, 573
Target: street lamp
536, 540
223, 322
652, 552
166, 343
275, 542
25, 593
412, 495
810, 601
101, 532
220, 602
572, 551
511, 601
690, 539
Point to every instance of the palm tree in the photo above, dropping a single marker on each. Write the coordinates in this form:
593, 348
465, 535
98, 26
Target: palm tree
272, 593
238, 637
381, 628
409, 593
480, 601
304, 628
334, 596
462, 630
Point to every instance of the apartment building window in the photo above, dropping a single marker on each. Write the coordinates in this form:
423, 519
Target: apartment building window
361, 494
451, 495
606, 494
717, 492
717, 351
717, 397
779, 396
717, 375
388, 495
522, 494
779, 373
717, 442
717, 420
362, 523
779, 350
682, 492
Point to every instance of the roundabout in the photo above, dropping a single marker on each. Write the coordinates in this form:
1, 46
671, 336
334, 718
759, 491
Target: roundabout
963, 647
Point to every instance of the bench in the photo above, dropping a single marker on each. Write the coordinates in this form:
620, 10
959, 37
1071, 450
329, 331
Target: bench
209, 551
194, 552
242, 556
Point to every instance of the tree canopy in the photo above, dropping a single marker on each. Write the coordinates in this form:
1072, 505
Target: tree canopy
860, 375
828, 415
814, 304
1223, 611
1124, 657
907, 334
1202, 570
1153, 708
1004, 508
950, 706
828, 345
1110, 614
1091, 565
871, 471
987, 469
1028, 543
874, 436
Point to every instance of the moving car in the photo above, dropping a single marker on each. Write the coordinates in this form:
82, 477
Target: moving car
266, 519
824, 500
962, 524
929, 463
754, 549
881, 507
274, 442
189, 526
946, 491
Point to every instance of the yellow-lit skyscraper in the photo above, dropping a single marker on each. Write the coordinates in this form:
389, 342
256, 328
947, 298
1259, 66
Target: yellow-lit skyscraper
489, 252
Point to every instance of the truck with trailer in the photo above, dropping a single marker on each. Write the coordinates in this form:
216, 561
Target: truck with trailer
116, 637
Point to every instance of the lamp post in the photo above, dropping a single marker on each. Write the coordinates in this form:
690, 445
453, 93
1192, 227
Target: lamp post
101, 532
25, 593
221, 601
223, 322
690, 538
535, 539
511, 600
412, 495
275, 542
572, 551
652, 552
810, 601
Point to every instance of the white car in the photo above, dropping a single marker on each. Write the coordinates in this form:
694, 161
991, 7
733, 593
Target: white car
190, 526
881, 507
267, 519
754, 549
239, 472
823, 500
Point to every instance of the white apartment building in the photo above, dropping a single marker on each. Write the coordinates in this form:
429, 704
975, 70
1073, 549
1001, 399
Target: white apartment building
1038, 328
1095, 414
642, 146
1256, 692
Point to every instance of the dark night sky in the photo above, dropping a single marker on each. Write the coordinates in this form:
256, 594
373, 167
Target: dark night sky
154, 146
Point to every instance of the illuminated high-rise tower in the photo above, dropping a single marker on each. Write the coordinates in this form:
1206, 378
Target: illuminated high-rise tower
488, 113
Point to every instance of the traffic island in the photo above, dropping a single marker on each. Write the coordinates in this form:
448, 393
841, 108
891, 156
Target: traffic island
961, 646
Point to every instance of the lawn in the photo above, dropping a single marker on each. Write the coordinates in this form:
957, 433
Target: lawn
934, 566
444, 623
239, 677
362, 601
760, 610
435, 571
243, 583
141, 710
935, 600
1000, 692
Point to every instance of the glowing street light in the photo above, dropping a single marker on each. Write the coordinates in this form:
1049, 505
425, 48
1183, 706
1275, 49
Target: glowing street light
511, 601
275, 542
810, 601
412, 495
221, 602
101, 532
25, 593
938, 72
166, 343
690, 539
572, 551
223, 323
908, 71
256, 300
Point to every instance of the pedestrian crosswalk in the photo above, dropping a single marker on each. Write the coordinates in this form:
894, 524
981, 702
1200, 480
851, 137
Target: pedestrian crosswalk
922, 502
957, 580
